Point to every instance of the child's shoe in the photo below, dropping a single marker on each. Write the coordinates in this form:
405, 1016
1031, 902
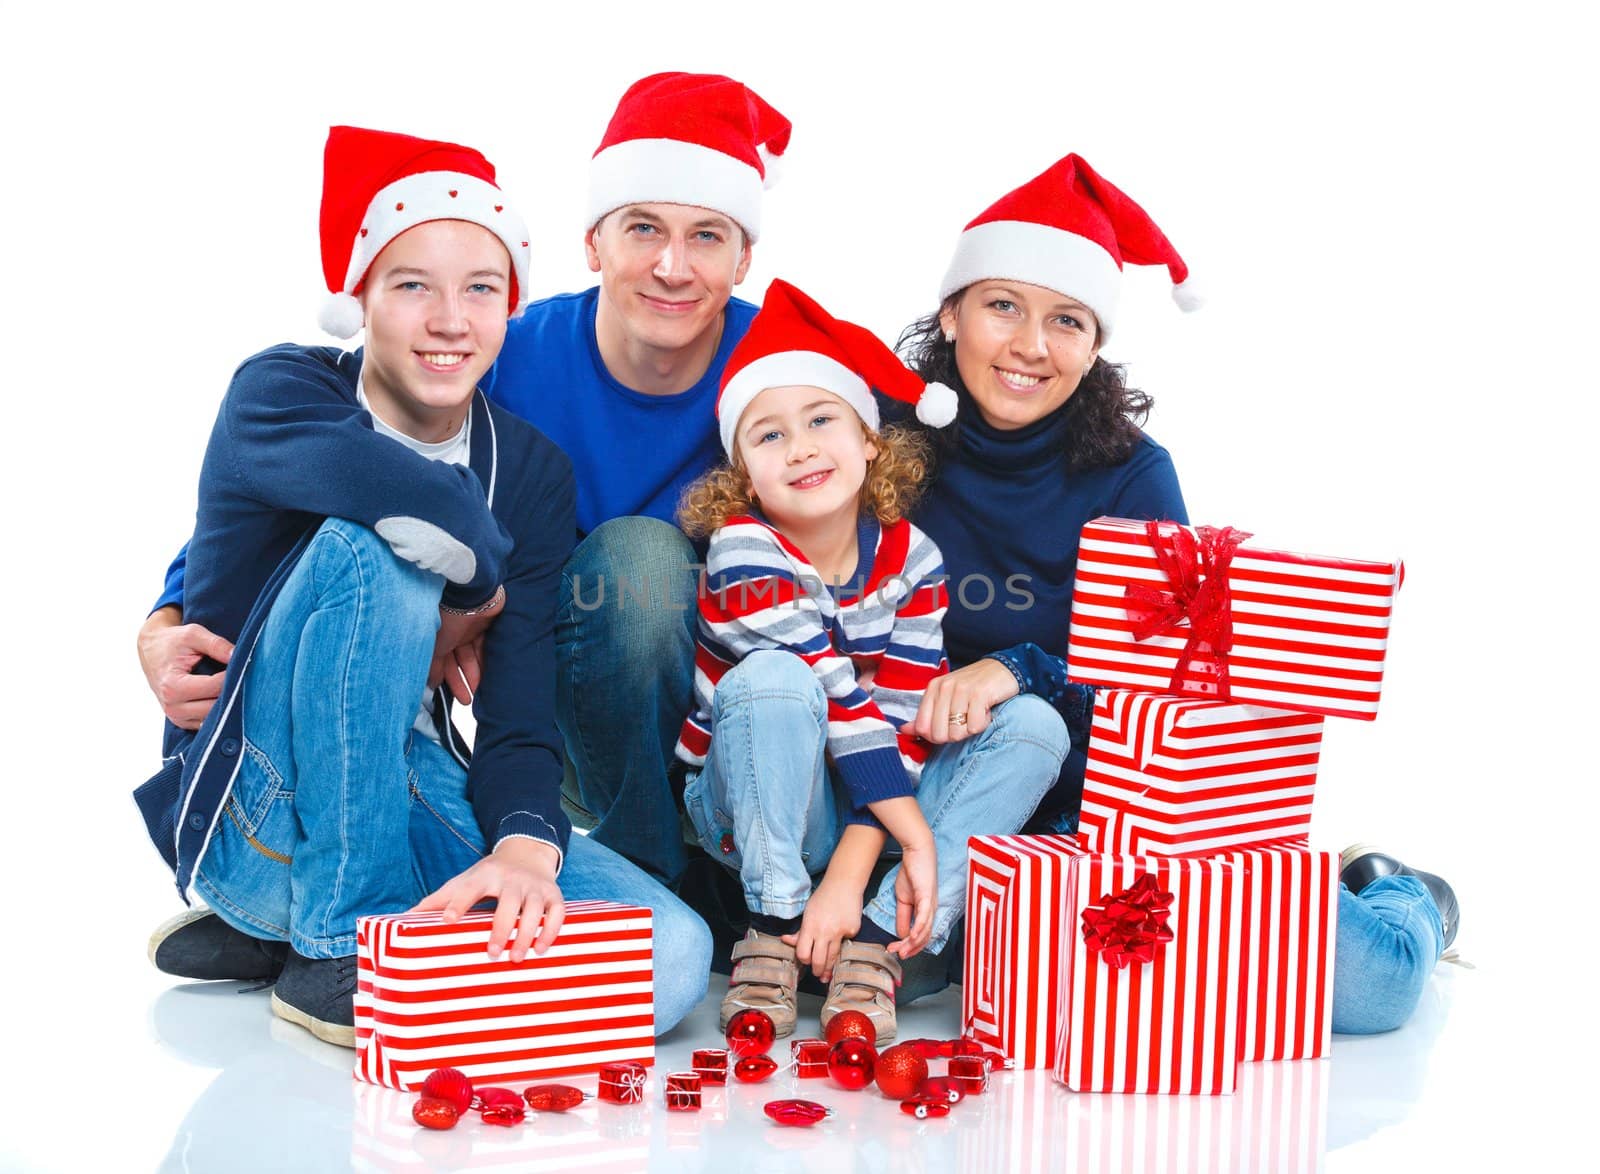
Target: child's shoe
764, 977
864, 979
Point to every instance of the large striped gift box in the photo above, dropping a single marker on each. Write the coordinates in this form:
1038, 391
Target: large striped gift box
1308, 633
1169, 1025
1178, 776
1286, 971
428, 996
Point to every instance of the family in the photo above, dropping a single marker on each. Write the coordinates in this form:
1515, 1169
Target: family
755, 591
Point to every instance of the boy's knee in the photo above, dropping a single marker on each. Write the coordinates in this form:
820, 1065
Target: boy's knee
406, 597
770, 675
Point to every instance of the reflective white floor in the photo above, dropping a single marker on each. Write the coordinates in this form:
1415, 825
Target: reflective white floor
201, 1077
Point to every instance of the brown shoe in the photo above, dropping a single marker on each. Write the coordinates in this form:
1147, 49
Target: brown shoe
864, 979
765, 975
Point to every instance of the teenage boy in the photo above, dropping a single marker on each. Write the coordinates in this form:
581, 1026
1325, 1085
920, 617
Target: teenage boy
363, 517
623, 377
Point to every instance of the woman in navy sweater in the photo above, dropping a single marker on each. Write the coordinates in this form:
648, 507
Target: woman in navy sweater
1047, 437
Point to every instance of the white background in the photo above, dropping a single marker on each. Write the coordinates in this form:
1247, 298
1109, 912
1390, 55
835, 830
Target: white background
1390, 207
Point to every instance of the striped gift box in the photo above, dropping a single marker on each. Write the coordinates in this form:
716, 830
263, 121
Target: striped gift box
1170, 1025
428, 996
1177, 776
1309, 633
1016, 924
1286, 972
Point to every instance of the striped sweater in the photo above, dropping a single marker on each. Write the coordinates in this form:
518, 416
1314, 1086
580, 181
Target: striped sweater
760, 592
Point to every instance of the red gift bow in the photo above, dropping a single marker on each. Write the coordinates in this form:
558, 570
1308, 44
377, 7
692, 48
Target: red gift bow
1196, 565
1129, 926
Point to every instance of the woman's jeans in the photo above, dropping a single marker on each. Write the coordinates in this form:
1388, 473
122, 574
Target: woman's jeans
342, 808
768, 806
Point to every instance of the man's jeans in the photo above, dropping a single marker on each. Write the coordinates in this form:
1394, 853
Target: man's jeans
1388, 942
340, 808
767, 805
625, 654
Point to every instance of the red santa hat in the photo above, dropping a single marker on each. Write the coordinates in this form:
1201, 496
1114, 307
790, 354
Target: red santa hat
1070, 231
794, 342
376, 185
689, 138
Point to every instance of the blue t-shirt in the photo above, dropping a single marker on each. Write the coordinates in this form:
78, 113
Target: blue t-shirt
632, 453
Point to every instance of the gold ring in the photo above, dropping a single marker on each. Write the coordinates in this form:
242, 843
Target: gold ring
958, 719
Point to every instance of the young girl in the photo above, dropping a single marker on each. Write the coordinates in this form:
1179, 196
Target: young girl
818, 632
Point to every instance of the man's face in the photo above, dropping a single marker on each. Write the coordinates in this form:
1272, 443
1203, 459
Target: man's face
436, 304
667, 270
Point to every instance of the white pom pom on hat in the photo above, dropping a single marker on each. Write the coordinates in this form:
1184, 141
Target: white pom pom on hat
937, 405
341, 315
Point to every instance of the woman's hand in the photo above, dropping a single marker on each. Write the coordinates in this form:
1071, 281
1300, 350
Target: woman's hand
832, 915
521, 873
967, 694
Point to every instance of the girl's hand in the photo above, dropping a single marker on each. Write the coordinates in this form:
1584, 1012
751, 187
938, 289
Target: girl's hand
916, 897
956, 706
832, 915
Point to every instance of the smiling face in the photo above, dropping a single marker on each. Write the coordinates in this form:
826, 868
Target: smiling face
435, 303
806, 455
1021, 349
666, 272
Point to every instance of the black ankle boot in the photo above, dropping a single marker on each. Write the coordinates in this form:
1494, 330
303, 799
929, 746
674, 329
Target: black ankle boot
1361, 864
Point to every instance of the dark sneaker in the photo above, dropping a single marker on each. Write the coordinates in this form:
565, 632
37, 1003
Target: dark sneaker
199, 944
319, 994
1361, 864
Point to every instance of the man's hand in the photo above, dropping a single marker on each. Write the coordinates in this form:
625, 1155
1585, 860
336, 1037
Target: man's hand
458, 650
521, 873
956, 705
168, 651
832, 915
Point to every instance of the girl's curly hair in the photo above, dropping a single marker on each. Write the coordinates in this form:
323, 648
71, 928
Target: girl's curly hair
891, 487
1103, 415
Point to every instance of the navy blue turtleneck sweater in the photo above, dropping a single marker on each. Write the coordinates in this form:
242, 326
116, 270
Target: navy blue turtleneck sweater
1007, 514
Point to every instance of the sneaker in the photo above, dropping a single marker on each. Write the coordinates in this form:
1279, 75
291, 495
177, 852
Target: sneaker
765, 975
1361, 864
199, 944
319, 994
864, 979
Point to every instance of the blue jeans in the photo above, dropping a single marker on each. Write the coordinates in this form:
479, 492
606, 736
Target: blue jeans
340, 808
1389, 940
625, 655
767, 805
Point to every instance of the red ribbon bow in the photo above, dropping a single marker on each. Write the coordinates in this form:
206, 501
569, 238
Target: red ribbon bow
1131, 924
1196, 565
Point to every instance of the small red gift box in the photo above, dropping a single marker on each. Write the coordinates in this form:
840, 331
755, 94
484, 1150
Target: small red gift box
810, 1058
683, 1091
711, 1064
622, 1084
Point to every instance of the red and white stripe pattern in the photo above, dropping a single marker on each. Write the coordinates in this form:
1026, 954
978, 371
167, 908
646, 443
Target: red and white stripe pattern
1176, 776
1016, 931
1291, 910
1170, 1026
428, 996
1309, 633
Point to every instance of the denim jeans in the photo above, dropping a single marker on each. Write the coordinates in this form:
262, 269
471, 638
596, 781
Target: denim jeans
1389, 939
341, 808
768, 806
625, 651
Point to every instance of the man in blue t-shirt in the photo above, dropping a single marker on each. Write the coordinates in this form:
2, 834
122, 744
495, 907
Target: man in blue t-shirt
623, 377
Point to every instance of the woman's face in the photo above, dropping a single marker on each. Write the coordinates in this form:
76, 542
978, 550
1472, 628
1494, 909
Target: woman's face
1021, 349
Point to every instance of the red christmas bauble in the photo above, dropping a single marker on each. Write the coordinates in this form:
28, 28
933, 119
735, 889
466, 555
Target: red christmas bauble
851, 1023
793, 1112
552, 1098
449, 1084
750, 1032
900, 1070
501, 1106
754, 1069
851, 1062
435, 1113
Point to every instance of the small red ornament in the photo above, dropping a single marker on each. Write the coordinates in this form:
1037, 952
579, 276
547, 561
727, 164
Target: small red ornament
851, 1062
851, 1023
924, 1107
900, 1070
754, 1069
552, 1098
971, 1073
711, 1064
942, 1086
810, 1058
501, 1106
796, 1112
965, 1047
928, 1049
750, 1032
435, 1113
683, 1091
622, 1083
449, 1084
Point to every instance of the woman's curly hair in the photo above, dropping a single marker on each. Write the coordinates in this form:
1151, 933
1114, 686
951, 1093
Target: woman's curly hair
891, 487
1103, 415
